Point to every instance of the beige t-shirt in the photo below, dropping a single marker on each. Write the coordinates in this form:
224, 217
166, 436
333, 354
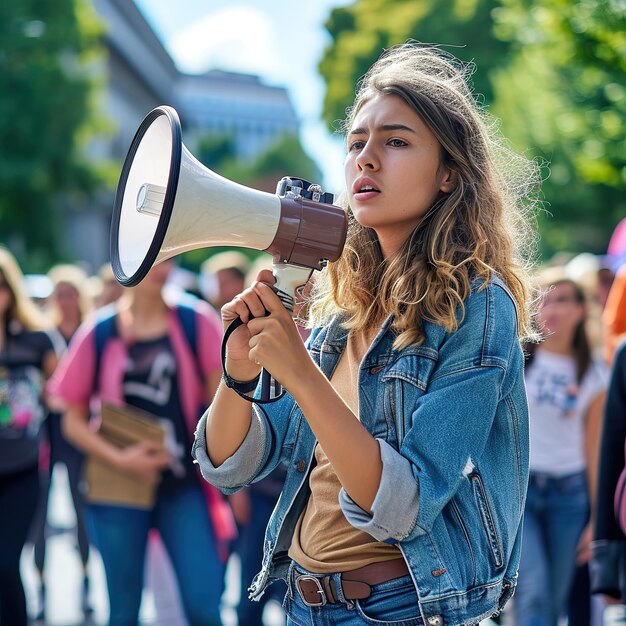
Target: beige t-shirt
324, 541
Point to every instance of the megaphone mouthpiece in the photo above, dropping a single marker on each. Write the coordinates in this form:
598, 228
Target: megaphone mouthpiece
150, 199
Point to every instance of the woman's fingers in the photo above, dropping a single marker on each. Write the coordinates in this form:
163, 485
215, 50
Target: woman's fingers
246, 305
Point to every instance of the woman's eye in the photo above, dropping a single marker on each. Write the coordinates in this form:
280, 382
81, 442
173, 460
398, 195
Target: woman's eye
397, 143
356, 145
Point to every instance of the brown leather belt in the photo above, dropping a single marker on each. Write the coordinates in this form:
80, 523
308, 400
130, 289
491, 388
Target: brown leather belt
355, 584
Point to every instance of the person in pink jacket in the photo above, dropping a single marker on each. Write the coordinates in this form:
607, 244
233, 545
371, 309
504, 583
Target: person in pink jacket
148, 363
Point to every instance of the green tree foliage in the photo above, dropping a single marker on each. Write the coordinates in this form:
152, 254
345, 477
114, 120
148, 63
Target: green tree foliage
215, 150
552, 70
47, 54
360, 31
286, 157
564, 95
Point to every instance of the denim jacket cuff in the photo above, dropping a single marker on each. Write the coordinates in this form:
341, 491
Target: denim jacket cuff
394, 511
237, 470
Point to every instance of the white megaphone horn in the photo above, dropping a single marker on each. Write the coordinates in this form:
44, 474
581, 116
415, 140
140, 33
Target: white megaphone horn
167, 203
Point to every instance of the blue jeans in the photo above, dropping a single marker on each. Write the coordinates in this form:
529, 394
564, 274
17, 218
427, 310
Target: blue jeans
182, 519
392, 603
556, 512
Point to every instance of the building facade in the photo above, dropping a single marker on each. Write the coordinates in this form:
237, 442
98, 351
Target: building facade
140, 76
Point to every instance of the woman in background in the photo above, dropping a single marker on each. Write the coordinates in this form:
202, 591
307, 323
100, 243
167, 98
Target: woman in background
69, 304
565, 388
146, 361
27, 358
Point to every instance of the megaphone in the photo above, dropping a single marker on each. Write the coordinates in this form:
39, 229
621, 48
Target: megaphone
168, 203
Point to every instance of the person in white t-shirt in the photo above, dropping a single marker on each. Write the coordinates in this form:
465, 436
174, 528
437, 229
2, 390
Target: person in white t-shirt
565, 388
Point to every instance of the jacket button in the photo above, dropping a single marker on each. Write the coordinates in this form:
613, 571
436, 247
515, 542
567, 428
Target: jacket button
434, 620
376, 369
301, 466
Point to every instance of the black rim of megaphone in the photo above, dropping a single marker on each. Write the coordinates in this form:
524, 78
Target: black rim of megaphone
170, 197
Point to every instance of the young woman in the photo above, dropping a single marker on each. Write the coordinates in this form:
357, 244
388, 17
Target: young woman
405, 427
566, 390
147, 361
69, 303
27, 358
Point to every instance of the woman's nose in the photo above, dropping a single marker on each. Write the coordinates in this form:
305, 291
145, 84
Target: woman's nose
367, 159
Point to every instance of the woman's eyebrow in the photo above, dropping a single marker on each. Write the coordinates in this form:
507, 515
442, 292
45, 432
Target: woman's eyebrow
384, 127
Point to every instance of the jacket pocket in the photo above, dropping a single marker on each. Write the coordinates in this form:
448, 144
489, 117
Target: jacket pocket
487, 518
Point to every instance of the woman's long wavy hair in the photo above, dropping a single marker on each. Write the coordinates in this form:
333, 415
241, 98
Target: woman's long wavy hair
22, 312
480, 229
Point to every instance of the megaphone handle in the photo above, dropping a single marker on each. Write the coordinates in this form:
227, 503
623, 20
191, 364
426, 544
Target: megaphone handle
288, 278
244, 387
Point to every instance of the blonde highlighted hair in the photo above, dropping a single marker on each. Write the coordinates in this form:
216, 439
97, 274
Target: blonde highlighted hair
482, 228
22, 309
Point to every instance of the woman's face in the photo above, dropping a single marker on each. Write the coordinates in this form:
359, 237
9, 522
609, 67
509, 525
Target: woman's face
155, 279
6, 295
393, 169
561, 312
66, 299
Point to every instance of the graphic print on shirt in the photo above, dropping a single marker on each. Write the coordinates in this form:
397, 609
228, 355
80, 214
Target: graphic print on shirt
149, 384
158, 387
21, 410
557, 390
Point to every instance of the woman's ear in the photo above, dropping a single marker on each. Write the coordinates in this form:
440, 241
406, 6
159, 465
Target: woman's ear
448, 180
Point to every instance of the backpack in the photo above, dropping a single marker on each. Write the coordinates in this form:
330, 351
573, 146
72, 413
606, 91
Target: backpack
106, 328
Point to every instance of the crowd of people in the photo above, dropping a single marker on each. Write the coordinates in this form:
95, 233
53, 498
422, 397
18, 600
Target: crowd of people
153, 349
420, 447
566, 377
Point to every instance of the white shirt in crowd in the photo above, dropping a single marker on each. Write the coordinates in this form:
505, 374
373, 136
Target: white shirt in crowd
557, 407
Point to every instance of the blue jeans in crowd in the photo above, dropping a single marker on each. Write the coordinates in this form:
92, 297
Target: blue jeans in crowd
556, 512
392, 603
182, 519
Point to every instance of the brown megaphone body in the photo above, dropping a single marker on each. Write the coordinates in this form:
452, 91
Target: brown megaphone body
167, 203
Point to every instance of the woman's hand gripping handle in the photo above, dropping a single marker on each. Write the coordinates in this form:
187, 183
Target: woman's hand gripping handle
249, 322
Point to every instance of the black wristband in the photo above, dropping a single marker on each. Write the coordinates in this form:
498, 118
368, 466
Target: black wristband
241, 386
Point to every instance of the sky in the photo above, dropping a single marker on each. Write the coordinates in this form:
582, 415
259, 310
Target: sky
279, 40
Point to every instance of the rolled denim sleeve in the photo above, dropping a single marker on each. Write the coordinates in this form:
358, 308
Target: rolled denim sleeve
392, 518
239, 469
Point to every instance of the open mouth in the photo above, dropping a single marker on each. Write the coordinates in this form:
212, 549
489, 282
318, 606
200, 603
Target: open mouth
366, 191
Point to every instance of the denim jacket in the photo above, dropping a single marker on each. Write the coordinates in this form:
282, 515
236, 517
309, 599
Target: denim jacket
451, 419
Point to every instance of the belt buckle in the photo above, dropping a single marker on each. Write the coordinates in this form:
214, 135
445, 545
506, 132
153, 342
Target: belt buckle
320, 590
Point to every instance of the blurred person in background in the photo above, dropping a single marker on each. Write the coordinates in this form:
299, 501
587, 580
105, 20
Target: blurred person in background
566, 389
68, 305
109, 290
614, 316
593, 274
223, 276
606, 276
608, 564
148, 363
27, 358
